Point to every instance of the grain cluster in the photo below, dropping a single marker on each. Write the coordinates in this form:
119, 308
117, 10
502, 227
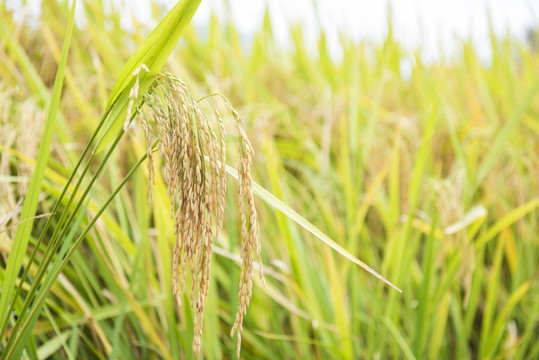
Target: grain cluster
195, 167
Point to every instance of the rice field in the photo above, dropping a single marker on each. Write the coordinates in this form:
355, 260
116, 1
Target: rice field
171, 193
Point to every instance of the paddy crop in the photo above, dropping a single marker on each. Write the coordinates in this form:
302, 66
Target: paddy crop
429, 177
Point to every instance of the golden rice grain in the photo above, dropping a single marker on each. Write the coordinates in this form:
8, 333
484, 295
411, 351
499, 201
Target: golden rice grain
195, 167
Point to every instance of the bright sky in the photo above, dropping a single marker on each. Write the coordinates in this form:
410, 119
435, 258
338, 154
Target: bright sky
416, 22
433, 24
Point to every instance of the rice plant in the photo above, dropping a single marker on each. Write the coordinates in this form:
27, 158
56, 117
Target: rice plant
430, 178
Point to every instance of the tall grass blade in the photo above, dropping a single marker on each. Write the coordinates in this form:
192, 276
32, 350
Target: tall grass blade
153, 53
277, 204
22, 235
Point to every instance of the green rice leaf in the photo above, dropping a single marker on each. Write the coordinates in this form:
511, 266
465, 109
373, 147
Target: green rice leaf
277, 204
507, 221
153, 53
22, 235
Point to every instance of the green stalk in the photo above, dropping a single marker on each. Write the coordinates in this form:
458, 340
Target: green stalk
14, 344
22, 236
49, 219
53, 245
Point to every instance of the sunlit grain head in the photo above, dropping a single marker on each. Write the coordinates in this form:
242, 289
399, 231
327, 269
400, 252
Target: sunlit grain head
195, 159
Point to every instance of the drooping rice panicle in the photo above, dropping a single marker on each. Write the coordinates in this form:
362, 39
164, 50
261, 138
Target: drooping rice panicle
195, 167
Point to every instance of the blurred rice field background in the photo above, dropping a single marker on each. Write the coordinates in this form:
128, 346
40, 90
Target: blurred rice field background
430, 177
